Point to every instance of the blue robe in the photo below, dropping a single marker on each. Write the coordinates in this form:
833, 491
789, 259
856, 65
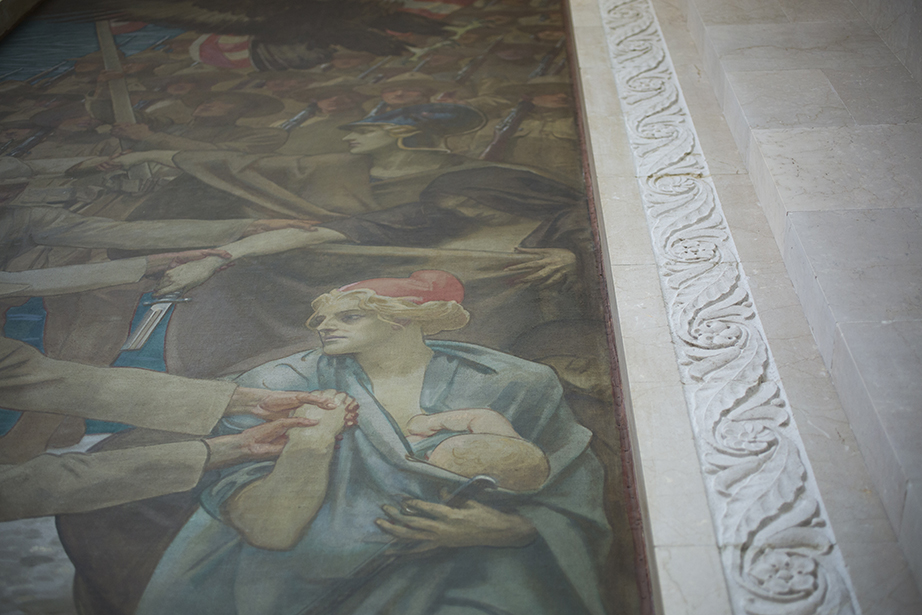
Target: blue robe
209, 568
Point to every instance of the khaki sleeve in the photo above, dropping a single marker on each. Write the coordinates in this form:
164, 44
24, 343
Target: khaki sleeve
30, 381
71, 279
79, 482
56, 227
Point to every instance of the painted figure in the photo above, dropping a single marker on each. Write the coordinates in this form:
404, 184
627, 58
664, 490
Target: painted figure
307, 143
288, 537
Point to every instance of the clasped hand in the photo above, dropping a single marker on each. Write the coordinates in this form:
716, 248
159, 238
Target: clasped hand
551, 266
471, 524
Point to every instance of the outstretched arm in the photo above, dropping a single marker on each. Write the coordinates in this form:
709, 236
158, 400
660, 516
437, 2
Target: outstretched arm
473, 420
275, 511
191, 275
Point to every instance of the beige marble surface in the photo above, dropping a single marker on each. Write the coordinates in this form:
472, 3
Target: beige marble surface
825, 106
899, 24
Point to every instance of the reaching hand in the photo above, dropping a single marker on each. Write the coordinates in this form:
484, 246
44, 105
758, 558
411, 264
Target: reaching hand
121, 161
135, 132
553, 266
190, 275
471, 524
158, 263
330, 421
264, 441
272, 405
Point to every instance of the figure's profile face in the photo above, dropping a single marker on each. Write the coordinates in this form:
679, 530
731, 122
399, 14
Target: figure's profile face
559, 100
345, 328
15, 134
334, 104
79, 124
180, 88
401, 96
367, 139
214, 108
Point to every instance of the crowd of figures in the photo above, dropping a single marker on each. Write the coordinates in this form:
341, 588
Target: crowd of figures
242, 175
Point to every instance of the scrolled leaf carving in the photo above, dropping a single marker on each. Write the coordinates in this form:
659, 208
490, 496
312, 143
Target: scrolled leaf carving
778, 550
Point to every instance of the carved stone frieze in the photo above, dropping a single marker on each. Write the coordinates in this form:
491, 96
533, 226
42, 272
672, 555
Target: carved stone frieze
778, 549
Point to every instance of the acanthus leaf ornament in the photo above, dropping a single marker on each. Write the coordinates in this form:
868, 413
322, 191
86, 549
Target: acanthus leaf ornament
778, 550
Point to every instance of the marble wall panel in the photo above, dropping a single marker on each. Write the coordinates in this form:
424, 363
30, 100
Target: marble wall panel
714, 12
911, 530
799, 45
879, 95
819, 10
899, 24
860, 167
889, 357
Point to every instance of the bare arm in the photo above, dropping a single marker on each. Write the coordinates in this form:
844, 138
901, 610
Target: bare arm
190, 275
275, 511
473, 420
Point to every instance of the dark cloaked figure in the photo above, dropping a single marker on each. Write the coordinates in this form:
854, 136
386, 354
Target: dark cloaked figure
459, 202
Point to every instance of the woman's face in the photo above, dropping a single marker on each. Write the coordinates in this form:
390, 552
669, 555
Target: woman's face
345, 328
367, 139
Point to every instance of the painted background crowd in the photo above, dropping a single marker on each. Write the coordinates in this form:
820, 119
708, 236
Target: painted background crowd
334, 142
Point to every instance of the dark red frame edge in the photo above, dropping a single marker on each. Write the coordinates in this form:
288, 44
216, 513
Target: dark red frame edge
635, 515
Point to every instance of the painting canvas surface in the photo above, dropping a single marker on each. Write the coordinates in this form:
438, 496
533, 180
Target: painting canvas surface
303, 314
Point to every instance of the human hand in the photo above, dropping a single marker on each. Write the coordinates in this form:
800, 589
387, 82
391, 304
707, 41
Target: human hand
272, 405
121, 161
106, 76
158, 263
264, 226
264, 441
471, 524
135, 132
472, 420
330, 421
190, 275
552, 266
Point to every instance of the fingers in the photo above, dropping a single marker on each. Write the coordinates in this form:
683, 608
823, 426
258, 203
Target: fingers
529, 266
538, 276
423, 524
555, 279
439, 512
215, 252
282, 425
403, 533
320, 399
166, 287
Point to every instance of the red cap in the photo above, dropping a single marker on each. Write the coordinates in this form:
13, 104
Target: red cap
420, 287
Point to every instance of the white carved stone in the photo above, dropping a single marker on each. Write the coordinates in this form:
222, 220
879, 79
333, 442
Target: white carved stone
778, 549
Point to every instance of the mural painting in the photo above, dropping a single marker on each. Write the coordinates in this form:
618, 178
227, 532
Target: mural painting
312, 287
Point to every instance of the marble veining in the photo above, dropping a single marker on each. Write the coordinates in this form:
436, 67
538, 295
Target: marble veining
779, 554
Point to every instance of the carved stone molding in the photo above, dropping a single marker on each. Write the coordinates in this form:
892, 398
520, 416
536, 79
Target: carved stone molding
778, 550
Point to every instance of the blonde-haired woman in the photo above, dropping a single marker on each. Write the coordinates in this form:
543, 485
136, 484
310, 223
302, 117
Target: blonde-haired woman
282, 537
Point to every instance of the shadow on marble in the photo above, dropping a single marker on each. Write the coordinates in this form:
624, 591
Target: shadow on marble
882, 580
889, 357
911, 530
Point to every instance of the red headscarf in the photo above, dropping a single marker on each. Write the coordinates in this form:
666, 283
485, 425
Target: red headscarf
421, 287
